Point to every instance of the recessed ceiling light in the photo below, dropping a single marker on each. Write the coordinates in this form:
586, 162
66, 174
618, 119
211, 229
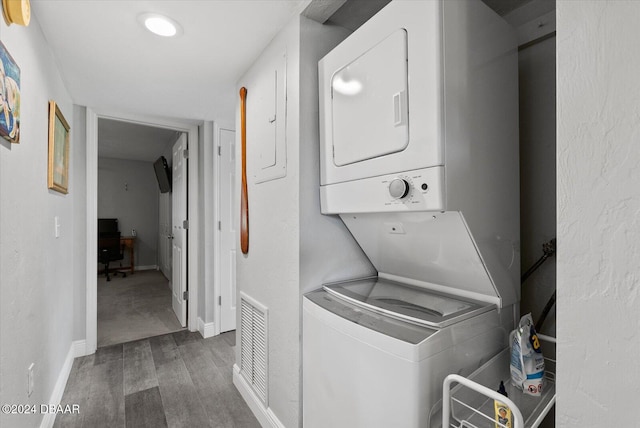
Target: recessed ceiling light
160, 25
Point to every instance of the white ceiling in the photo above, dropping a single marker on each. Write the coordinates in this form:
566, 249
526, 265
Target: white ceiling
502, 7
109, 61
124, 140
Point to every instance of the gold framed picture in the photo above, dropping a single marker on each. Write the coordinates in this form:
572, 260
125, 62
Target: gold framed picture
58, 177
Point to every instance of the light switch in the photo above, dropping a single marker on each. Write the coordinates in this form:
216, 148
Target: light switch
56, 223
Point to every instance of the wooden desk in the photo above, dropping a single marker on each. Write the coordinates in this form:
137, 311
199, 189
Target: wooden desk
129, 242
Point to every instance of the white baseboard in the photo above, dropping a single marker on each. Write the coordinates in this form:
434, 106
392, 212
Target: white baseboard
265, 415
150, 267
78, 348
206, 329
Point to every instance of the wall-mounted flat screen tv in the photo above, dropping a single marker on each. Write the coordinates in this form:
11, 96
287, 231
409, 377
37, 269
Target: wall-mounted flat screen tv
163, 174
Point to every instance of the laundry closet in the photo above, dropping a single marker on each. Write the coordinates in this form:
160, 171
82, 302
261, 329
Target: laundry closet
419, 158
384, 239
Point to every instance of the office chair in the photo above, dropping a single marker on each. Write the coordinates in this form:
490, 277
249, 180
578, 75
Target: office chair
107, 225
110, 250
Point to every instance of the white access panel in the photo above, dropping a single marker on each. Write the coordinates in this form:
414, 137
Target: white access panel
267, 121
369, 103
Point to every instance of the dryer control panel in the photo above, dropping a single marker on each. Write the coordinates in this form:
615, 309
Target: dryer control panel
418, 190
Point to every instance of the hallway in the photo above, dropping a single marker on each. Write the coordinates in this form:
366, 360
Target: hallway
174, 380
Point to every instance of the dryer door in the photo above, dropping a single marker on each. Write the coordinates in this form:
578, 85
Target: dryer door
381, 96
369, 103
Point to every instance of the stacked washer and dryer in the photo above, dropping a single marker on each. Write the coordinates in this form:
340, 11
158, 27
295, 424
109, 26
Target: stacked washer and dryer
419, 158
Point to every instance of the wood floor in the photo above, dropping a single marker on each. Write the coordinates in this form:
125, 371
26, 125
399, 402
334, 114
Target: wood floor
134, 307
173, 380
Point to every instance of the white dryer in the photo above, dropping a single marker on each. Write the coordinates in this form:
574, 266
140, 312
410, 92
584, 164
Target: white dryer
419, 158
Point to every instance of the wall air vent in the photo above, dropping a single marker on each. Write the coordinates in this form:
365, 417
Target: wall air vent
253, 345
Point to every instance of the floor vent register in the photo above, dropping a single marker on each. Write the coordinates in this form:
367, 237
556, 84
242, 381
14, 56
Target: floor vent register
253, 346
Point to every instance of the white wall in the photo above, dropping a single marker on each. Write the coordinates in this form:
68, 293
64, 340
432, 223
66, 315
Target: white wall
128, 190
79, 154
537, 80
269, 272
598, 213
292, 248
328, 252
37, 270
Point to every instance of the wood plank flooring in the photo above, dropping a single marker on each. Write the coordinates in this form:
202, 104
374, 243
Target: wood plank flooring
134, 307
173, 380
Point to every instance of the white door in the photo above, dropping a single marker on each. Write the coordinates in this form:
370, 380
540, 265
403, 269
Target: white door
228, 236
179, 241
165, 235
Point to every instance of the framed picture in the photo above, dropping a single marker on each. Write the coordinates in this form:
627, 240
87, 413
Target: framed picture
9, 97
58, 177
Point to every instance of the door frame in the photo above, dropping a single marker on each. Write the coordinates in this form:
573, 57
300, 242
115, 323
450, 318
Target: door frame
191, 129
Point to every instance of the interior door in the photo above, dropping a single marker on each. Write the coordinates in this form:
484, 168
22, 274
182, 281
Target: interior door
228, 236
165, 235
179, 241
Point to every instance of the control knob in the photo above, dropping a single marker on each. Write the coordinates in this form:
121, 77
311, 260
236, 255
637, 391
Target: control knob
399, 188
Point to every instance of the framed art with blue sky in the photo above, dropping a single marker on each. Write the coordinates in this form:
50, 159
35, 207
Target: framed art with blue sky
9, 97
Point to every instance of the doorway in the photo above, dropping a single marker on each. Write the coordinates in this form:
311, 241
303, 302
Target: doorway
135, 296
191, 245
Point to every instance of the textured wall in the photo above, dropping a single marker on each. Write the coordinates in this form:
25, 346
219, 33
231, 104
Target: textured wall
269, 272
598, 213
37, 270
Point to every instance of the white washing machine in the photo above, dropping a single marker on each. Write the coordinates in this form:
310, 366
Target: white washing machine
419, 158
376, 352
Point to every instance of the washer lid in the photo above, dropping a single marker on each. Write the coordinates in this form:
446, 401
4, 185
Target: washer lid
407, 332
406, 302
434, 250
